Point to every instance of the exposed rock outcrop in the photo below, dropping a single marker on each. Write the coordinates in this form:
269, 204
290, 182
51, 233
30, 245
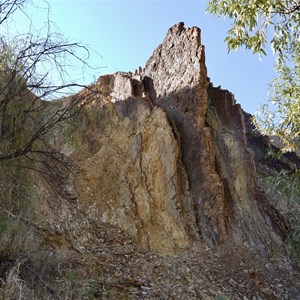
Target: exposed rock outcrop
163, 155
135, 179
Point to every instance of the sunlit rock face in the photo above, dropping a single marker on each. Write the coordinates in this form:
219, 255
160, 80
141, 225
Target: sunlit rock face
162, 155
134, 178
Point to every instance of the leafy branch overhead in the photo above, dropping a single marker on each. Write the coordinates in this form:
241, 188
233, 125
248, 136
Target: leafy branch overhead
257, 23
252, 20
284, 121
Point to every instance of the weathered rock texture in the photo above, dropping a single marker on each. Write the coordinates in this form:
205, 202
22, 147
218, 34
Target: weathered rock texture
162, 155
134, 177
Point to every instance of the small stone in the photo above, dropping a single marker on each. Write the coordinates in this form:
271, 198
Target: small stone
232, 282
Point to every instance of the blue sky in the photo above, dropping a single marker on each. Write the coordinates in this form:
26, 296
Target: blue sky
125, 33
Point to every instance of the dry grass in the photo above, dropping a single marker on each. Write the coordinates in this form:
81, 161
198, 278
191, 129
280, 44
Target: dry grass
13, 287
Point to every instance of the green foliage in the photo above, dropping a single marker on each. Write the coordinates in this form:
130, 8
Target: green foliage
282, 116
252, 18
286, 182
254, 21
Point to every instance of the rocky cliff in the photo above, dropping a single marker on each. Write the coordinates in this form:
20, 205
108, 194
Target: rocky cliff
157, 191
163, 155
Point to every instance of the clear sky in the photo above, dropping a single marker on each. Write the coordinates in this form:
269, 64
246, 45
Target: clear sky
125, 33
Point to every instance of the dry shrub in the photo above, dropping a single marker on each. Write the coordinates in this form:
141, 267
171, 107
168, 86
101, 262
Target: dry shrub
41, 275
13, 287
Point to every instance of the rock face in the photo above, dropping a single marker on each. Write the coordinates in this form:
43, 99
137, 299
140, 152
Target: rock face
163, 155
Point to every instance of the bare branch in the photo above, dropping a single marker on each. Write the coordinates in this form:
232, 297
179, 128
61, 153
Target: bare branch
26, 67
8, 7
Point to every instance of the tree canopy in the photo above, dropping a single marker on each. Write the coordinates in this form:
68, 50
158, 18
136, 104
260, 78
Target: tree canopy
256, 21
